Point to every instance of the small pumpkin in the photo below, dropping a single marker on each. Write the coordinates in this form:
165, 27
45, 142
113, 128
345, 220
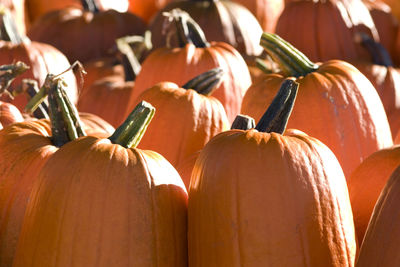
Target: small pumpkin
336, 103
240, 172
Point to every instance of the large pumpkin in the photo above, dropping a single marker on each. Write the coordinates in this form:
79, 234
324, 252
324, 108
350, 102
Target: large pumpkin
222, 21
381, 243
336, 103
324, 30
111, 205
9, 114
262, 198
86, 34
193, 56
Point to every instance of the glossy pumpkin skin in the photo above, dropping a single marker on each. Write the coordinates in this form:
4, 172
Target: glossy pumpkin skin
81, 29
188, 62
367, 182
141, 222
42, 59
221, 21
9, 114
267, 12
100, 68
324, 30
185, 168
18, 11
381, 243
184, 122
335, 104
146, 9
239, 173
94, 125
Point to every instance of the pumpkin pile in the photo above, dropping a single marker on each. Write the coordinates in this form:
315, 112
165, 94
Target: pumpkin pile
199, 133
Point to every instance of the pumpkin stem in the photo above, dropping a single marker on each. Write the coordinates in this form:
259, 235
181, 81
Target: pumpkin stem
180, 25
243, 122
277, 115
132, 130
291, 61
8, 73
8, 28
260, 64
207, 82
128, 58
379, 54
30, 88
90, 6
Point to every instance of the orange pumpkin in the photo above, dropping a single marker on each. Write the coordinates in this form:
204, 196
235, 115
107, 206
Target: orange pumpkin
324, 30
336, 103
9, 114
193, 57
146, 9
381, 243
83, 35
366, 183
18, 11
240, 172
187, 117
141, 222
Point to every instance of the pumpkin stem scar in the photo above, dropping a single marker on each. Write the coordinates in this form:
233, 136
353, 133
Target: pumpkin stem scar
8, 28
182, 27
277, 115
132, 130
291, 61
90, 6
207, 82
243, 122
379, 54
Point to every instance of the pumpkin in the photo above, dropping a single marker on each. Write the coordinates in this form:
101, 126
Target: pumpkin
187, 117
395, 7
222, 21
83, 31
193, 57
385, 22
41, 58
385, 78
381, 242
18, 11
336, 103
146, 9
25, 147
38, 8
267, 12
9, 114
141, 222
324, 30
366, 183
262, 198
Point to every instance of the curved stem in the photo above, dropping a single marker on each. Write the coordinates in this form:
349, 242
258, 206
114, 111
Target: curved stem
31, 89
207, 82
132, 130
184, 29
8, 73
291, 61
8, 28
379, 54
277, 115
128, 58
90, 6
243, 122
260, 64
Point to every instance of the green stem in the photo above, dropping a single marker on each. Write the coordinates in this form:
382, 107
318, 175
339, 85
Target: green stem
260, 64
277, 115
379, 54
90, 6
8, 73
31, 88
207, 82
243, 122
291, 61
184, 29
8, 28
128, 58
132, 130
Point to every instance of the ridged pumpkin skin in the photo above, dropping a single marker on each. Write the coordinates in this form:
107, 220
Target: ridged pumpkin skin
178, 65
185, 168
42, 59
367, 182
260, 199
381, 243
25, 147
9, 114
84, 35
108, 98
109, 206
93, 124
324, 30
184, 122
335, 104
